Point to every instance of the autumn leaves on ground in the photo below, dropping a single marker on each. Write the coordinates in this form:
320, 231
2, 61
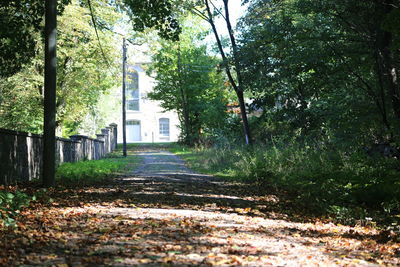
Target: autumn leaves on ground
163, 214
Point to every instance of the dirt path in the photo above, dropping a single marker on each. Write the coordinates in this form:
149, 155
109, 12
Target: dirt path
163, 214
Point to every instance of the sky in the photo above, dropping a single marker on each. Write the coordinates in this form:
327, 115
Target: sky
236, 10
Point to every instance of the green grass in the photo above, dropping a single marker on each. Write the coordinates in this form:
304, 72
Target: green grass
133, 146
345, 186
203, 161
95, 171
83, 173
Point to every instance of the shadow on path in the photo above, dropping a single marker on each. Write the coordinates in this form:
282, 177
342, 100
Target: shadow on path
163, 214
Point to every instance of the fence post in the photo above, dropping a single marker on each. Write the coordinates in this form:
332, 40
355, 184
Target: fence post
84, 147
110, 133
101, 137
115, 135
76, 150
106, 133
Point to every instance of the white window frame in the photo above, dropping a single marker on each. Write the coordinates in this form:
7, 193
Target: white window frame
164, 127
133, 74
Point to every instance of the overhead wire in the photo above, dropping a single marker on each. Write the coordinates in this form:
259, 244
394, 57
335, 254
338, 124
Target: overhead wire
97, 34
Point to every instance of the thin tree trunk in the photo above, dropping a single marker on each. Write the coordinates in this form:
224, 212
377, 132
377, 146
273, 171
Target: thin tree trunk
391, 74
185, 108
245, 122
237, 86
240, 88
381, 105
124, 150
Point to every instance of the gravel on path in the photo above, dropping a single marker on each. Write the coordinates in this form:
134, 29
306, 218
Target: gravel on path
164, 214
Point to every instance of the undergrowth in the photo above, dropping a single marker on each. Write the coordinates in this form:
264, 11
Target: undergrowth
348, 187
94, 171
83, 173
11, 203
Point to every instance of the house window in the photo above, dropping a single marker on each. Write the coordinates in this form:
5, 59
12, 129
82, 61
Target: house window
132, 122
132, 91
164, 127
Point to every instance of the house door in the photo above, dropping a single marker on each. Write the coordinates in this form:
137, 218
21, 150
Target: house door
133, 131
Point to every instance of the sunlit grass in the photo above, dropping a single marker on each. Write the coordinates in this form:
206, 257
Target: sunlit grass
96, 171
202, 160
346, 186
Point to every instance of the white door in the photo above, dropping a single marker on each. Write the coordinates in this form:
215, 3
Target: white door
133, 131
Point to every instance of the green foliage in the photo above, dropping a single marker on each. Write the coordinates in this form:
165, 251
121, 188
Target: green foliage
21, 100
344, 185
159, 15
314, 69
21, 22
11, 204
84, 74
89, 172
188, 82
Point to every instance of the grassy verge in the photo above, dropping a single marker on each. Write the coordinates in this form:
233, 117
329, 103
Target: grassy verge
348, 187
136, 146
95, 171
84, 173
203, 161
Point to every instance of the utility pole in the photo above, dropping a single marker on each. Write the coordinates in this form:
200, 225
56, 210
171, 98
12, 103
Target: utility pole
124, 98
50, 84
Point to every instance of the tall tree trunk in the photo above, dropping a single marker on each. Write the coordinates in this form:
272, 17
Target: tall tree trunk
391, 75
386, 55
124, 48
186, 117
382, 94
184, 102
243, 113
50, 84
237, 86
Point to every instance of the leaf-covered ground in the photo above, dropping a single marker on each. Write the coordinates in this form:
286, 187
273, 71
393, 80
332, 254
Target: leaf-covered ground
162, 214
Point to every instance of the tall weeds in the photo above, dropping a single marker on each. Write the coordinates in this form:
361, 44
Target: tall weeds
324, 180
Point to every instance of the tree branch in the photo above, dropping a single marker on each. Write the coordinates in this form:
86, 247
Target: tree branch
219, 12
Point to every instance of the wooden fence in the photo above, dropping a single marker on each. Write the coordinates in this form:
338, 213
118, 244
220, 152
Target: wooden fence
21, 152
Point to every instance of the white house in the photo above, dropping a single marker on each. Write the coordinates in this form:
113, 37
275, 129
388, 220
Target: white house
146, 121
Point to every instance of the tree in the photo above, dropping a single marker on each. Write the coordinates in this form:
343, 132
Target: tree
313, 66
230, 62
188, 82
83, 74
88, 70
159, 15
150, 14
21, 22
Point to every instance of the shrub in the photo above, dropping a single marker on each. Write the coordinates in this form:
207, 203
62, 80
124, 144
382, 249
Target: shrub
10, 205
324, 180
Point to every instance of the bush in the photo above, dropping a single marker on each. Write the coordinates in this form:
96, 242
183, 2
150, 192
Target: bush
10, 205
324, 180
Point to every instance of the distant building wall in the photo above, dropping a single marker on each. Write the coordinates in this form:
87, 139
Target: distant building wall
21, 152
143, 125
